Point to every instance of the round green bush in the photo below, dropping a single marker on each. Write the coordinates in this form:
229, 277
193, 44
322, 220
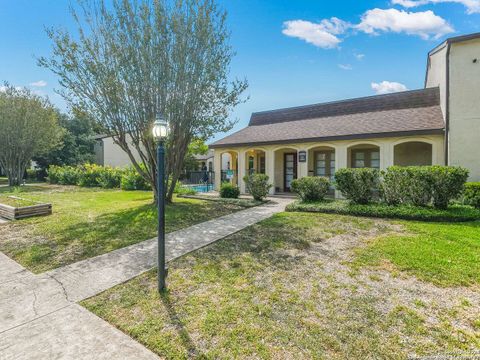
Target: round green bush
257, 185
229, 191
311, 188
357, 185
471, 195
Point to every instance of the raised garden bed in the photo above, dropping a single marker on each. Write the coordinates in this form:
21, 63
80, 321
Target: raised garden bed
14, 208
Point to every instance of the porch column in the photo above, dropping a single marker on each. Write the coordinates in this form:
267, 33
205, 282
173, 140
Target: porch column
302, 166
438, 157
386, 155
270, 169
341, 162
217, 168
241, 171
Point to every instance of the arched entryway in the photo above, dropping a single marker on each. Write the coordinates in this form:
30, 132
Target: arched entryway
321, 162
229, 169
412, 153
364, 156
255, 161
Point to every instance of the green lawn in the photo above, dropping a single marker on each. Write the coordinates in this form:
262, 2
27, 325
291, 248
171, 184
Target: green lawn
89, 222
445, 254
285, 289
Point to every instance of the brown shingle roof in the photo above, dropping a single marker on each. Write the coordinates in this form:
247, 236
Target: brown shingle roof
404, 113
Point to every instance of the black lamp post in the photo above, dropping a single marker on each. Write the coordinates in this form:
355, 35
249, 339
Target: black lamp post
160, 133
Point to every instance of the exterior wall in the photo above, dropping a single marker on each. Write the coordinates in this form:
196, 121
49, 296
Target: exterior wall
437, 75
464, 124
112, 154
98, 148
274, 155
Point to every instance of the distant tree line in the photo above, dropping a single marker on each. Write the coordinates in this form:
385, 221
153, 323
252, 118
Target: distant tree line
31, 128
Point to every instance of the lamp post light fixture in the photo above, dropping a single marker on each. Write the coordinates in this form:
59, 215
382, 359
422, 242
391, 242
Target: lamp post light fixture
160, 133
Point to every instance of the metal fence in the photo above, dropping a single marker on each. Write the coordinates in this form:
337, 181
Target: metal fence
198, 178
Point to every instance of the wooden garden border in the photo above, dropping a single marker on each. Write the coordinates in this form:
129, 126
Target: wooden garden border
15, 213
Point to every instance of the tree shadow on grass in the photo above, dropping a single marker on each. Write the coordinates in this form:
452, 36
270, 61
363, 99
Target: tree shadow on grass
122, 228
175, 320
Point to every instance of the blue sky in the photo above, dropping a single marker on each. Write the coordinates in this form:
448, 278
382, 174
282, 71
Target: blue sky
293, 52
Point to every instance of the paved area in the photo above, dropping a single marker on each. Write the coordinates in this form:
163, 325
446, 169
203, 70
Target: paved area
39, 314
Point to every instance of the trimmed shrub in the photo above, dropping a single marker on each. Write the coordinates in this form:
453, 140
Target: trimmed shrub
411, 184
89, 175
132, 180
471, 195
418, 185
357, 185
63, 175
392, 187
447, 183
311, 188
257, 185
229, 191
110, 178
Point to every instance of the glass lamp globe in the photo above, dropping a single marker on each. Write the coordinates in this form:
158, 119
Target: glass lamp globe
160, 128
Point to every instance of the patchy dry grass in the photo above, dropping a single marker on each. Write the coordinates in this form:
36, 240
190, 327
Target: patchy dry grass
284, 289
90, 222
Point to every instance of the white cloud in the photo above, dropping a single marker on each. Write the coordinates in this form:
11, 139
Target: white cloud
3, 88
387, 87
326, 33
321, 34
345, 66
40, 83
424, 24
359, 56
473, 6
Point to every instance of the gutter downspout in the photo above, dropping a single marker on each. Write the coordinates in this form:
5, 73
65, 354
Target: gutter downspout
447, 104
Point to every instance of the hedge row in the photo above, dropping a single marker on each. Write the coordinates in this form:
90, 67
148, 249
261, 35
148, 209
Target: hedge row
91, 175
412, 185
454, 213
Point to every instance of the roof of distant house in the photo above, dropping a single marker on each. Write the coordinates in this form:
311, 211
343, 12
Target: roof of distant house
414, 112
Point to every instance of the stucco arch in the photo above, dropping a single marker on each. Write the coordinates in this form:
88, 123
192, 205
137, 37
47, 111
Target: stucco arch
281, 147
326, 145
413, 139
413, 152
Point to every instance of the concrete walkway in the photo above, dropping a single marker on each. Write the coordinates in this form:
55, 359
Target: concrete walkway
39, 314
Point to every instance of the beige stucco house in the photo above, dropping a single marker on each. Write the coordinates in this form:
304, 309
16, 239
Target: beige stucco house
439, 124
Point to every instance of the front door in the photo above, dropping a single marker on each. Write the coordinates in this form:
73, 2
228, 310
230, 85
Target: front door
290, 170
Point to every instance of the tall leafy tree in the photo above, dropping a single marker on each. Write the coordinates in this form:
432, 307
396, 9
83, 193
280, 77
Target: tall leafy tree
136, 58
77, 142
28, 126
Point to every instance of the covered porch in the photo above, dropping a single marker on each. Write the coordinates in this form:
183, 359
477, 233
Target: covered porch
286, 162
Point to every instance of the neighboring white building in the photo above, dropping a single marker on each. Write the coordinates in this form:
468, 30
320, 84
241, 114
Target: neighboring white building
108, 153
